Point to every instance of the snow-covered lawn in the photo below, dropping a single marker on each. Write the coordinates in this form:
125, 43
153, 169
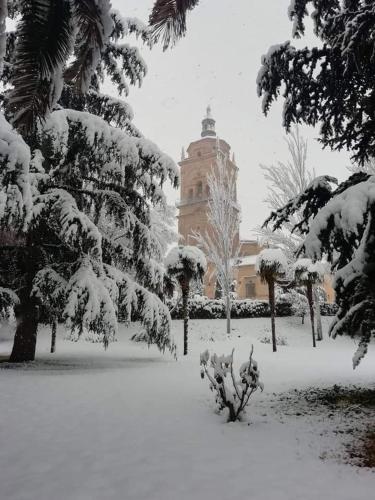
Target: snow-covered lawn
130, 423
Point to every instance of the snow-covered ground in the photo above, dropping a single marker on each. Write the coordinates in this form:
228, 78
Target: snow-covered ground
131, 423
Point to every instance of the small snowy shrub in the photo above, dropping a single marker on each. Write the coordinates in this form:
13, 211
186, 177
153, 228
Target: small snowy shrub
231, 393
266, 339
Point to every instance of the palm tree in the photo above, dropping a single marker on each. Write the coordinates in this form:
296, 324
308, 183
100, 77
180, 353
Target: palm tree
309, 275
271, 265
168, 19
48, 33
186, 264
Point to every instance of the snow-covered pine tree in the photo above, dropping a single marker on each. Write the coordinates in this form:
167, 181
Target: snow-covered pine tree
330, 85
79, 180
337, 222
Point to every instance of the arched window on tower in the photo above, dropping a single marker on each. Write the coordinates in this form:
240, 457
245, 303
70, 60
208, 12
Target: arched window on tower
191, 194
208, 191
199, 189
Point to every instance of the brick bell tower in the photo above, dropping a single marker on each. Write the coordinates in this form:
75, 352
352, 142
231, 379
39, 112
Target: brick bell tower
202, 156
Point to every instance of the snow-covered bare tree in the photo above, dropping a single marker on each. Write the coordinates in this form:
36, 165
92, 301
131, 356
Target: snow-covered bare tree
220, 242
78, 180
186, 264
286, 181
337, 221
271, 264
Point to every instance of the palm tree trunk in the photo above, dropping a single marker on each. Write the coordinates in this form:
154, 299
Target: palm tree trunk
53, 336
24, 344
185, 313
319, 328
310, 298
271, 293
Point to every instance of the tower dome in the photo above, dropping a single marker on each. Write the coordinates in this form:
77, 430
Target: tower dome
208, 124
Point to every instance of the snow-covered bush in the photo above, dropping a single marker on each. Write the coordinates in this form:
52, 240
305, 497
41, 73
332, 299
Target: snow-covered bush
280, 340
231, 393
186, 264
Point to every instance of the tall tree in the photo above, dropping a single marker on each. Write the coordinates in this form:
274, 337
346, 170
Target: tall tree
271, 264
309, 274
186, 264
332, 85
79, 185
286, 180
220, 242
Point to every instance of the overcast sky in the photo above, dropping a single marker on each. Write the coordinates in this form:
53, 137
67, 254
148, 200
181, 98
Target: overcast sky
217, 64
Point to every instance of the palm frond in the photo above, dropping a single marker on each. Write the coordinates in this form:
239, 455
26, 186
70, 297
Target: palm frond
94, 24
44, 41
168, 20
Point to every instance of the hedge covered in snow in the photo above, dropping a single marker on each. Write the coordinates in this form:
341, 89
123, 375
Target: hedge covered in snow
201, 307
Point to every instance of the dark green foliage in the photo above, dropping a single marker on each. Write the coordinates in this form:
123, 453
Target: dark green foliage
331, 85
168, 19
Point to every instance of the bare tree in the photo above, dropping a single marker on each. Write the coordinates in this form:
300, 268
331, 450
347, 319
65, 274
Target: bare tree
221, 242
286, 181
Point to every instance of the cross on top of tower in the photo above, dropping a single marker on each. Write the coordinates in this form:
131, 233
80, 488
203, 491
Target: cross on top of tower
208, 124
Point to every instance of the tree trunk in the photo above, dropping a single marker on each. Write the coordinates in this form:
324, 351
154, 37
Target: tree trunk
29, 260
228, 305
319, 328
26, 332
185, 310
310, 298
271, 293
53, 337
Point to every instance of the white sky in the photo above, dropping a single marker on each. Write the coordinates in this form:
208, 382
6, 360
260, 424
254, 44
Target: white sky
217, 63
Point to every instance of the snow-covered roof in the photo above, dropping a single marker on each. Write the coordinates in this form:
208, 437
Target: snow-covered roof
248, 260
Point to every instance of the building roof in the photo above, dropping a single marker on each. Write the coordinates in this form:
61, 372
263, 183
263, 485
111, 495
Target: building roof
248, 260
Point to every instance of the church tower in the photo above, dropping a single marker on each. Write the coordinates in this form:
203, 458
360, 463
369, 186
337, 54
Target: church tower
196, 165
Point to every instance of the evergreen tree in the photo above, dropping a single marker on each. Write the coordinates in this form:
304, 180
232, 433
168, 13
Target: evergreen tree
78, 180
332, 85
